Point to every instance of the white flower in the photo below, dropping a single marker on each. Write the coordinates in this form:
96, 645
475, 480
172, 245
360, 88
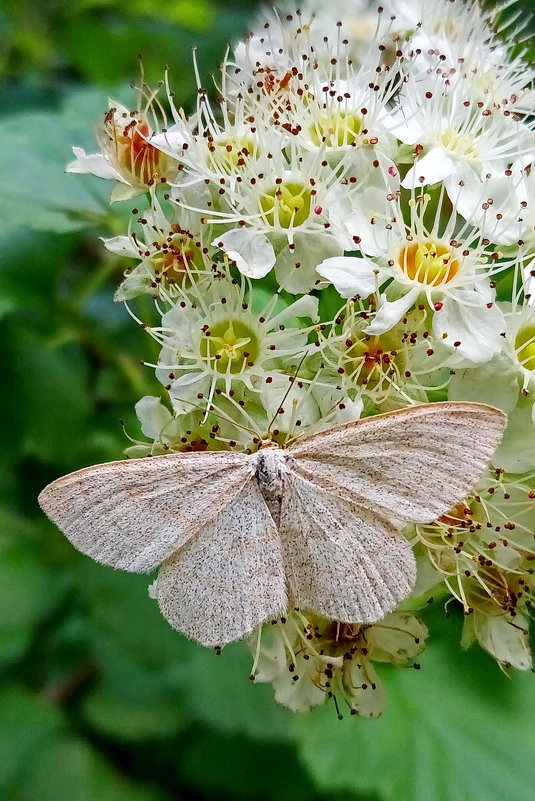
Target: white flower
192, 431
484, 549
440, 264
516, 368
214, 339
389, 370
281, 211
170, 255
457, 130
504, 637
501, 205
127, 154
309, 659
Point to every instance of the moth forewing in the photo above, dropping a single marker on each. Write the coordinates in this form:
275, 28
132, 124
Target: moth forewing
412, 464
134, 514
229, 578
342, 561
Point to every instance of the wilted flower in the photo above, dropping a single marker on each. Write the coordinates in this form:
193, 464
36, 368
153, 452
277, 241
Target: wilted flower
309, 659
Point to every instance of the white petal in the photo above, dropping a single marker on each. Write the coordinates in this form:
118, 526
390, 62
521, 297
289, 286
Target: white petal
408, 130
305, 693
307, 306
507, 640
516, 453
466, 318
433, 167
308, 250
138, 282
121, 245
125, 191
170, 142
529, 282
94, 164
391, 312
185, 390
350, 275
152, 415
479, 384
252, 252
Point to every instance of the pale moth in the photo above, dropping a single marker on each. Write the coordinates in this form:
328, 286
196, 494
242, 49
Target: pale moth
241, 538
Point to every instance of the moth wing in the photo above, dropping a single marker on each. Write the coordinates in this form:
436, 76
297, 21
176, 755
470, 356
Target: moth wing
342, 561
229, 577
133, 514
413, 464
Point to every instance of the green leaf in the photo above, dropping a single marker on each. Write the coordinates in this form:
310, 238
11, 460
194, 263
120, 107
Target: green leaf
135, 712
219, 693
48, 404
243, 769
456, 729
136, 647
27, 722
36, 146
68, 768
29, 267
28, 593
126, 622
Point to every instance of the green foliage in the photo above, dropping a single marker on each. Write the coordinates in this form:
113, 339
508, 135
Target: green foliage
101, 700
455, 729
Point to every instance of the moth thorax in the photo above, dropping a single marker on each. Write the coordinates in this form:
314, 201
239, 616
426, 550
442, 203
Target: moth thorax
269, 469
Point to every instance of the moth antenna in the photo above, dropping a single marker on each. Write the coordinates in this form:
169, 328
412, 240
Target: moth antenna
285, 396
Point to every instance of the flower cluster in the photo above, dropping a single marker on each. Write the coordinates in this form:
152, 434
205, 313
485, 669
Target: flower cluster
353, 217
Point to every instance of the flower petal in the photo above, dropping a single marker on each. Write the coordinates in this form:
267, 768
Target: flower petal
433, 167
391, 312
350, 275
152, 415
296, 267
94, 164
466, 318
121, 246
252, 252
306, 306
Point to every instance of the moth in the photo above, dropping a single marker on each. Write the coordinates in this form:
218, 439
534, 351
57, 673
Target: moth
241, 538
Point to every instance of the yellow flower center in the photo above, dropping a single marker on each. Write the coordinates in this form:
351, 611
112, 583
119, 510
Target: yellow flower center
458, 144
227, 155
428, 263
368, 361
525, 347
336, 129
230, 346
287, 206
178, 254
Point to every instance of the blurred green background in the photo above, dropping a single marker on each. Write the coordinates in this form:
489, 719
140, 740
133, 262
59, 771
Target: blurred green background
100, 699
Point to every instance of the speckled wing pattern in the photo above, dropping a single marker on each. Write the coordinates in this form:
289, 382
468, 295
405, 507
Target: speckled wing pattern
135, 513
413, 464
227, 567
230, 577
342, 561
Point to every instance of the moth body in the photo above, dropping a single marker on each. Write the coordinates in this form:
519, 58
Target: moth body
270, 468
240, 538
